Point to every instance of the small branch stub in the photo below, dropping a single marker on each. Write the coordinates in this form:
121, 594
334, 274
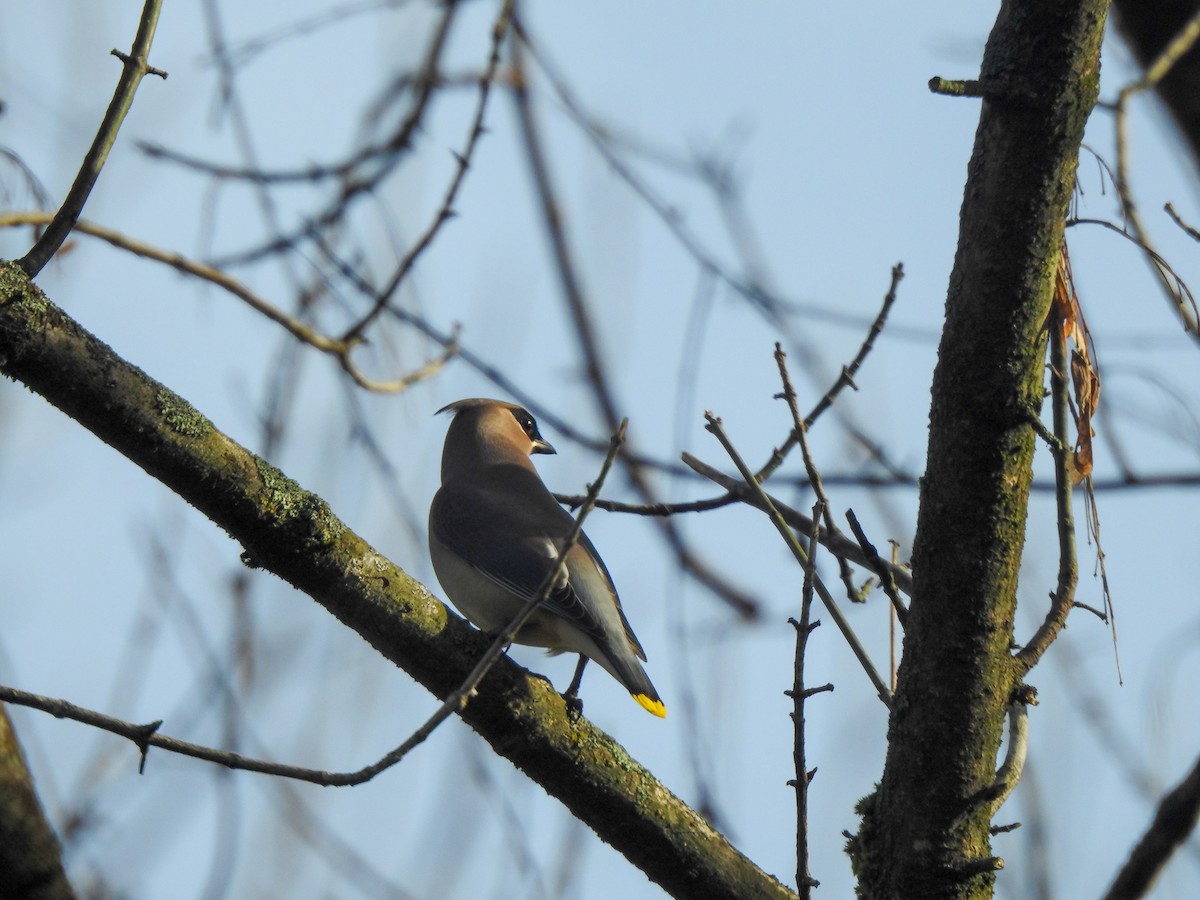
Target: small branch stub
956, 88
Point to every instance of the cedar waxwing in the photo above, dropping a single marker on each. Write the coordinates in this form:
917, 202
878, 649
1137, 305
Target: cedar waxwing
494, 534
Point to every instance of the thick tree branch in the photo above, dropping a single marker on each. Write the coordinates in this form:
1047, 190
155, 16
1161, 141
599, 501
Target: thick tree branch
292, 533
30, 857
148, 735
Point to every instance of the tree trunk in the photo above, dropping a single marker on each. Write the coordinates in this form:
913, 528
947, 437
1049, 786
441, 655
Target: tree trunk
925, 833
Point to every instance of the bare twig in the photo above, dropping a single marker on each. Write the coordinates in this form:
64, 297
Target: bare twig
135, 67
1185, 307
889, 586
838, 543
1009, 773
1176, 286
956, 87
1068, 567
799, 694
340, 349
1191, 232
882, 570
463, 159
1092, 515
181, 263
846, 379
147, 736
800, 434
714, 427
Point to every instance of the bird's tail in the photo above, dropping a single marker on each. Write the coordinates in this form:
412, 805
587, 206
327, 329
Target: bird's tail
631, 674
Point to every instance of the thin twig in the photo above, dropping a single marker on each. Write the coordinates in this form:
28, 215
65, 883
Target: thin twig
463, 160
1178, 288
1063, 597
1191, 232
950, 87
340, 349
181, 263
838, 543
883, 571
1154, 73
134, 68
148, 735
800, 434
1009, 773
846, 379
715, 428
799, 694
893, 617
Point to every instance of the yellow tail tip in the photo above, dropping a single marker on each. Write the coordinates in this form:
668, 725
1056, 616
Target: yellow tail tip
652, 706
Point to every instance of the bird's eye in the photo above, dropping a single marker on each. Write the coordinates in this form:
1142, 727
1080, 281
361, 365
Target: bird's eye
525, 420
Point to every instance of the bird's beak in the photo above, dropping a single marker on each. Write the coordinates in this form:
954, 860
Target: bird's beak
541, 445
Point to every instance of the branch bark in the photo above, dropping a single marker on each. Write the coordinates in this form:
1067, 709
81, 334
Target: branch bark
30, 858
293, 533
925, 832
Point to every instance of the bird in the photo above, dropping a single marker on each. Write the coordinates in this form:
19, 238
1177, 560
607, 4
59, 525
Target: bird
495, 532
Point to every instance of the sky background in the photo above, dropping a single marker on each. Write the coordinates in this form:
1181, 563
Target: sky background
120, 597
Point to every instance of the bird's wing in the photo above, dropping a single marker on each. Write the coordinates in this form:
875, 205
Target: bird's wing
598, 563
514, 546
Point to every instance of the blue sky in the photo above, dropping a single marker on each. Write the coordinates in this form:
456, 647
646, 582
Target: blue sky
846, 164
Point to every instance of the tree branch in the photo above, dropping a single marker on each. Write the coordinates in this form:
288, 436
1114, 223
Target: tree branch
135, 69
293, 533
1176, 818
31, 865
860, 653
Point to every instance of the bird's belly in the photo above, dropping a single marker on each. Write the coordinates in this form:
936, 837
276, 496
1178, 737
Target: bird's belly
490, 606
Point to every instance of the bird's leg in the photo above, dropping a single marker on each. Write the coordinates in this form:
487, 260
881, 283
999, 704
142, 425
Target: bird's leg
574, 704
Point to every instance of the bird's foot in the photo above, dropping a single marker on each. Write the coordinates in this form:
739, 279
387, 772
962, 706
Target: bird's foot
574, 706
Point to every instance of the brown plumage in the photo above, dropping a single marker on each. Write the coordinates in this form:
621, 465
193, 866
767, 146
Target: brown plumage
494, 534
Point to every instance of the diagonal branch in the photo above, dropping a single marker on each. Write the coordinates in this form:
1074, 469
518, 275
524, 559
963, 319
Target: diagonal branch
1176, 818
148, 735
837, 543
293, 533
714, 426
